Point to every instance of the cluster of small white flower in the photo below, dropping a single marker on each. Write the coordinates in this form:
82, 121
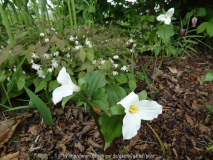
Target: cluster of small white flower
88, 43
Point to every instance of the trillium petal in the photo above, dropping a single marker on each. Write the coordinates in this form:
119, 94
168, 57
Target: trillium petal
167, 20
63, 77
148, 110
170, 12
60, 92
131, 124
161, 17
128, 101
75, 88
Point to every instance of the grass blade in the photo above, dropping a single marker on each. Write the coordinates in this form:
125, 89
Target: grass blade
161, 144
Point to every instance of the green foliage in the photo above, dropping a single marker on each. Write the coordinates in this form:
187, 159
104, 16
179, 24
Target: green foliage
41, 107
110, 127
209, 76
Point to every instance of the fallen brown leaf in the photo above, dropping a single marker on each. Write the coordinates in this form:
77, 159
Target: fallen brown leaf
8, 132
140, 147
10, 156
80, 146
133, 141
34, 129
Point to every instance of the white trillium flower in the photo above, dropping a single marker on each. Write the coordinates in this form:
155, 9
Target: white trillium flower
135, 112
67, 86
166, 17
53, 29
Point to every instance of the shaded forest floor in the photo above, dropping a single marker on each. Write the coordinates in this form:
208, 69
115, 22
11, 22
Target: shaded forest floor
183, 126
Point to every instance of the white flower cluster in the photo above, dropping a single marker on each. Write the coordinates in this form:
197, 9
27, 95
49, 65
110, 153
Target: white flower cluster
88, 43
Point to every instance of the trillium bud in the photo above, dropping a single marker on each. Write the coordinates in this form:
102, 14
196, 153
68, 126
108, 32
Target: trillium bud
194, 22
182, 33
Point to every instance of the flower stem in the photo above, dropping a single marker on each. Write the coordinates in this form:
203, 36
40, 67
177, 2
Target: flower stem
96, 121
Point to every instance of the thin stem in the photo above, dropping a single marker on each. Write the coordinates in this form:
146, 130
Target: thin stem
8, 99
74, 14
96, 121
70, 14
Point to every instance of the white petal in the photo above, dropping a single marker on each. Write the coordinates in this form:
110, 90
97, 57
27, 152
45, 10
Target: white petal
128, 101
167, 20
170, 12
75, 88
131, 124
148, 110
63, 77
61, 92
161, 17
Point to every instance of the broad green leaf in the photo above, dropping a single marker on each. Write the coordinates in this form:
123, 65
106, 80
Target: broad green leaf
60, 44
209, 76
3, 56
117, 110
111, 127
151, 18
21, 83
99, 99
90, 56
201, 28
165, 32
209, 29
121, 78
95, 80
132, 84
82, 54
173, 50
152, 35
53, 85
201, 12
40, 106
40, 86
21, 35
16, 50
142, 95
115, 94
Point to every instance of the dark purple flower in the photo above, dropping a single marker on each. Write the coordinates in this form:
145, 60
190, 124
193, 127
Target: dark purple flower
182, 33
194, 21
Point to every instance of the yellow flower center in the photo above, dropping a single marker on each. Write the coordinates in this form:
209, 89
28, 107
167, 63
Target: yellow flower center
133, 109
166, 17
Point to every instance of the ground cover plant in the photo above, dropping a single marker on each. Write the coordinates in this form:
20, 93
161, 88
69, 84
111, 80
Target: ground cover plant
106, 79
